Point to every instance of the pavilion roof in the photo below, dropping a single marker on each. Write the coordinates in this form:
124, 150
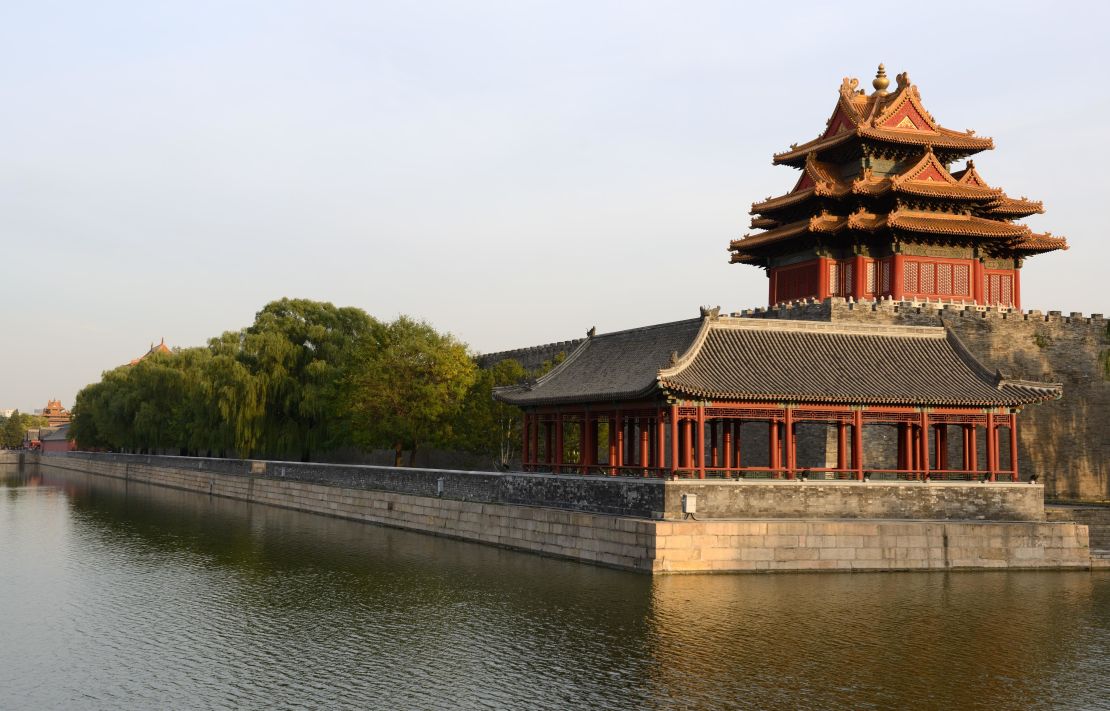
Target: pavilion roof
767, 360
927, 178
615, 366
921, 221
897, 118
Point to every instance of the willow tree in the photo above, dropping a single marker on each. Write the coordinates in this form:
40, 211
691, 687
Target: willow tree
406, 386
300, 351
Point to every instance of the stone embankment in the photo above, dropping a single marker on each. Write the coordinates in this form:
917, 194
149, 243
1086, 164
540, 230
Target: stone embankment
637, 524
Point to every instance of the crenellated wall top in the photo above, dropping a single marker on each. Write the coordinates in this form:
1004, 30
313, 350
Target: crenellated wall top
830, 308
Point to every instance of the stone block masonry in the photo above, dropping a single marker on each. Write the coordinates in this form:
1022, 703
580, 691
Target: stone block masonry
649, 545
1067, 442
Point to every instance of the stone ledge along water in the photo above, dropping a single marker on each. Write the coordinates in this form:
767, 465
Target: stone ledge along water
637, 524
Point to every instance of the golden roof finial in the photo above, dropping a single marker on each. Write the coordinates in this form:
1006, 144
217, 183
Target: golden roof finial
880, 82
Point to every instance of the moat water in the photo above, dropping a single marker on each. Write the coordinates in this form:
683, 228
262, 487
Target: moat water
127, 596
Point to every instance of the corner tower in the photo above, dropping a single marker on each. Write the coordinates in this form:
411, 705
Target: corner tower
878, 211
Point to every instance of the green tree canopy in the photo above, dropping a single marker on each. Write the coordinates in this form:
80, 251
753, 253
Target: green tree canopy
408, 387
301, 351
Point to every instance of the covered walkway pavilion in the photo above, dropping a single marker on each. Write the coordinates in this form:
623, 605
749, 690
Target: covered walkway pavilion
673, 399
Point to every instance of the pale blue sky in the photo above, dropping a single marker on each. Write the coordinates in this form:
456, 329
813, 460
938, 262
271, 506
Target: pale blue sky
512, 172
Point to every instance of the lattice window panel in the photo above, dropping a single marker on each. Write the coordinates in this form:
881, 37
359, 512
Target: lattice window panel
958, 419
891, 417
994, 288
744, 413
960, 281
944, 279
925, 274
846, 285
884, 276
822, 416
1007, 290
834, 279
909, 277
870, 278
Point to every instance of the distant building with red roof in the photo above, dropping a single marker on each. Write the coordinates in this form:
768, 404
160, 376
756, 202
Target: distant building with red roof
160, 348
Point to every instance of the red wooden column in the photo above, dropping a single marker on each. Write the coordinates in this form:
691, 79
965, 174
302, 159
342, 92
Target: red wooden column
559, 440
979, 277
859, 277
774, 448
714, 455
687, 447
701, 442
660, 441
992, 447
924, 442
674, 439
823, 277
645, 449
1013, 446
841, 446
736, 438
549, 447
727, 434
788, 441
857, 443
1016, 290
906, 443
973, 447
897, 277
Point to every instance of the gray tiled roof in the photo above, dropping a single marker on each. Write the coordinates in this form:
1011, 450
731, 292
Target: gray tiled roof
779, 361
611, 366
55, 434
841, 363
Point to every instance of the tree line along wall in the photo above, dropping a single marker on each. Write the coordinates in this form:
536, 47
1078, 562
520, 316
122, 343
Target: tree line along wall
1066, 442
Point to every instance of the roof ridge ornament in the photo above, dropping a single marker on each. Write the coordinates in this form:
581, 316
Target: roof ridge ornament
592, 332
712, 314
880, 82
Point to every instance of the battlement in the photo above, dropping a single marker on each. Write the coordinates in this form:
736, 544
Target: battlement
531, 357
837, 308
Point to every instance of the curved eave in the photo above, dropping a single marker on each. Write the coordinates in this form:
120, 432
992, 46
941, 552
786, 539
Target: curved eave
1021, 395
946, 192
778, 234
640, 394
944, 140
777, 203
959, 227
1040, 244
1010, 208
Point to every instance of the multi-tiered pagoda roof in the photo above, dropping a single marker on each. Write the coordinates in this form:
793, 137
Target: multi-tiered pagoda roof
877, 183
